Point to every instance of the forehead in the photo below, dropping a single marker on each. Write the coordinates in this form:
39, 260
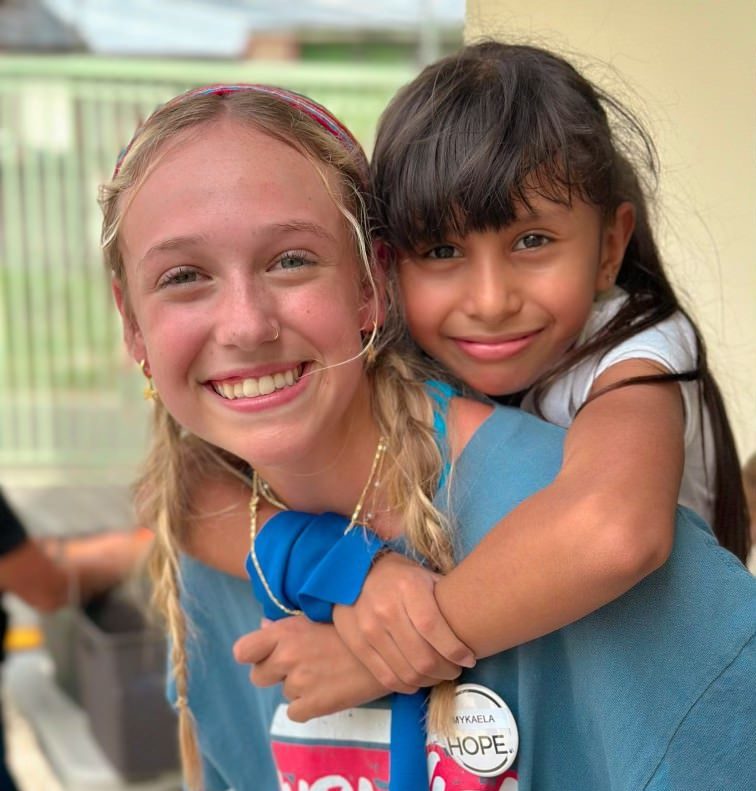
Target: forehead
216, 173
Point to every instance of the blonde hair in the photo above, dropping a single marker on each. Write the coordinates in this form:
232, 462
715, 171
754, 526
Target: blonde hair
401, 405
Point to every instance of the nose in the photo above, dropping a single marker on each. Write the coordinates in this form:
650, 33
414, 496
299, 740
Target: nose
493, 292
245, 314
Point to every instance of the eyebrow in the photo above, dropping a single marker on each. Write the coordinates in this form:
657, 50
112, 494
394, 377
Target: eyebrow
303, 227
551, 210
175, 243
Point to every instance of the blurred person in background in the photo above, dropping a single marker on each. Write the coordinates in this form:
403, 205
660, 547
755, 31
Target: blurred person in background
49, 573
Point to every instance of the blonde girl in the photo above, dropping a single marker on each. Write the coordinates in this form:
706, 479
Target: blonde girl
165, 275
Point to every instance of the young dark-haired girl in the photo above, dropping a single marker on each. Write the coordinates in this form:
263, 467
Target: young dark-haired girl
509, 191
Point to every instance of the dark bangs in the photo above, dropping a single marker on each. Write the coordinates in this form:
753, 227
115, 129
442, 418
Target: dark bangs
466, 143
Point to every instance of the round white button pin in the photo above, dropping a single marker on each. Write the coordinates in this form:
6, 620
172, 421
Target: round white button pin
485, 737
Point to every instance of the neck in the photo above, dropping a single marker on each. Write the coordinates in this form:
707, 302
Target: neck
334, 476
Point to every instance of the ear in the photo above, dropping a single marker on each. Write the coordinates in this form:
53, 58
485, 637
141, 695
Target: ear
132, 335
373, 310
615, 237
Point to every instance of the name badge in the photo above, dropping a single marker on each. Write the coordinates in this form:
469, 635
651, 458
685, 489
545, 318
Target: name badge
485, 737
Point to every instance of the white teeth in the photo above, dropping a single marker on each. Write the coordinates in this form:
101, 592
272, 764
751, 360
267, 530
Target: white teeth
252, 387
267, 385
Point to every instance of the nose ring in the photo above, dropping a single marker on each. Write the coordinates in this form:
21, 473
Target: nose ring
277, 335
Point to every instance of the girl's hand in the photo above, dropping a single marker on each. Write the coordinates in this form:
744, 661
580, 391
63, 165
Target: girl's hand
396, 629
319, 674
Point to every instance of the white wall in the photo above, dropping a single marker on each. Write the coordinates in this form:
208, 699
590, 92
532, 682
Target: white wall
689, 68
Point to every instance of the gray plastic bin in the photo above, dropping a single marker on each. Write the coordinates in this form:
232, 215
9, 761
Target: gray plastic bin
59, 630
121, 664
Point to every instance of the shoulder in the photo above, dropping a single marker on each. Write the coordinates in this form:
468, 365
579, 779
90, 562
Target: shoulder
670, 343
465, 418
488, 423
216, 603
509, 456
720, 724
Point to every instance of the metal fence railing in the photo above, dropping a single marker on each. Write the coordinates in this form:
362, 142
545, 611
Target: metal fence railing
66, 399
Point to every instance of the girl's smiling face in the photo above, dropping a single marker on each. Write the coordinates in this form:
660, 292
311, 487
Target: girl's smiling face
499, 308
242, 289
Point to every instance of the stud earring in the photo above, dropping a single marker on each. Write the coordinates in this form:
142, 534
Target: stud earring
149, 393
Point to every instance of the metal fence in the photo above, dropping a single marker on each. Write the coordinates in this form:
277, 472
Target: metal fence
68, 399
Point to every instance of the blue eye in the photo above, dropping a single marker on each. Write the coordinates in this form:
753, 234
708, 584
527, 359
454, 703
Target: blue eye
294, 259
531, 241
178, 277
292, 262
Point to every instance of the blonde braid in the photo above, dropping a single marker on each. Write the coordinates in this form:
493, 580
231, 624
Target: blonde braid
404, 411
162, 495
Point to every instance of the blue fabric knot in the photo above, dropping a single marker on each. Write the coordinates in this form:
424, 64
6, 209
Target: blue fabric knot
310, 564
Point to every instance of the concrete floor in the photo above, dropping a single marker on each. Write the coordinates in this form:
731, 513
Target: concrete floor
25, 759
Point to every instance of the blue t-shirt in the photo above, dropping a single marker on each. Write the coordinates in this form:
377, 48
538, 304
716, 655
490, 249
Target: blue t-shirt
656, 690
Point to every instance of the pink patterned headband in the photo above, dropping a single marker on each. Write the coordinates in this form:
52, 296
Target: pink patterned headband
312, 109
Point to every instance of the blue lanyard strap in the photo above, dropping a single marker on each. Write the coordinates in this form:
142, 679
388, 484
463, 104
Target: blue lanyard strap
310, 564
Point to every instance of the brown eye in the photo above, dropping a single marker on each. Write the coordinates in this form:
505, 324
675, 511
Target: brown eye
443, 251
531, 241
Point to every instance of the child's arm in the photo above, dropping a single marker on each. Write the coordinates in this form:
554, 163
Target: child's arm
605, 523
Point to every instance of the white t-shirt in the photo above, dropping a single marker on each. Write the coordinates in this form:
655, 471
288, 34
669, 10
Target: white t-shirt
672, 344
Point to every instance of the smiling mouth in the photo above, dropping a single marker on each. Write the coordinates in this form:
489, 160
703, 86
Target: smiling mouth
496, 349
252, 387
498, 341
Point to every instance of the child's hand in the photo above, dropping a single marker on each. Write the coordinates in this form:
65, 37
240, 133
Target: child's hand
397, 630
320, 674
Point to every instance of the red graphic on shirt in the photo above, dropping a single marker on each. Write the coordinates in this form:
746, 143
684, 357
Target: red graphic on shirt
319, 767
445, 774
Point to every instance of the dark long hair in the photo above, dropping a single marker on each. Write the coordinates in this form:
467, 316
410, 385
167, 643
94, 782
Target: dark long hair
478, 132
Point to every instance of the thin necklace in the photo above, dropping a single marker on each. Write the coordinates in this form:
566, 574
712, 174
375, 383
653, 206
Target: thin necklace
261, 488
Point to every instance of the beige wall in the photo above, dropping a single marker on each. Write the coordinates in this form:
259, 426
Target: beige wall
689, 68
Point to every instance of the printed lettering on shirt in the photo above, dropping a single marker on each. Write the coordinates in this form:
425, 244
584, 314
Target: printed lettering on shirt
445, 774
347, 751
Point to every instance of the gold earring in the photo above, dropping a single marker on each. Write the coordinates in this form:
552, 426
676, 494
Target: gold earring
149, 393
371, 355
